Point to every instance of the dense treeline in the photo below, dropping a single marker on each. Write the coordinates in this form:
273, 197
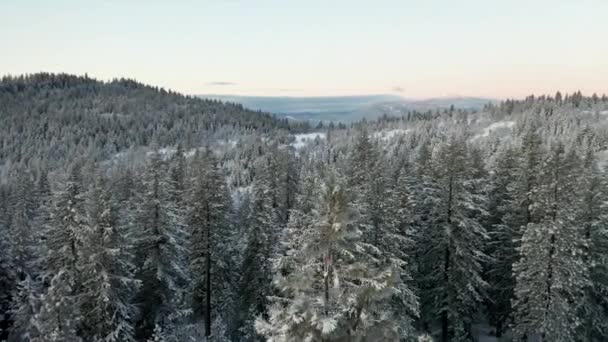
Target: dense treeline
47, 119
430, 226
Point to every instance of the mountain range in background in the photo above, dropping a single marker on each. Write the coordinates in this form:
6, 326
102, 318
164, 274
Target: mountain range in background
347, 108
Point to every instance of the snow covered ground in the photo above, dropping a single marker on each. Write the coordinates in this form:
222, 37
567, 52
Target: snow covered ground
493, 127
388, 135
483, 333
304, 139
602, 159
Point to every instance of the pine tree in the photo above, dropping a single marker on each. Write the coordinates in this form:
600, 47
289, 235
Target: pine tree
158, 335
177, 170
594, 312
551, 274
288, 178
24, 246
107, 271
502, 245
399, 237
210, 250
426, 194
255, 282
7, 274
22, 236
65, 238
453, 255
59, 316
337, 287
41, 221
161, 248
25, 308
219, 331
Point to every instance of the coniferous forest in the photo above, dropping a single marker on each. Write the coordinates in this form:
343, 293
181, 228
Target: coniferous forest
134, 213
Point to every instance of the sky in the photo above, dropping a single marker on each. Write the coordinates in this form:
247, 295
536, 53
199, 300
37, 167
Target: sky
415, 49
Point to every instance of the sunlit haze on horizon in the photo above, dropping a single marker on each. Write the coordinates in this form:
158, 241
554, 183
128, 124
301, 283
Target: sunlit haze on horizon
413, 49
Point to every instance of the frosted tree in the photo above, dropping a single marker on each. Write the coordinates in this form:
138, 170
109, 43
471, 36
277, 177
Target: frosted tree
291, 238
399, 236
286, 175
402, 215
255, 282
219, 332
426, 193
41, 221
209, 250
550, 273
158, 335
25, 251
451, 262
363, 158
25, 308
338, 287
528, 175
107, 271
65, 238
161, 248
7, 274
178, 172
594, 219
59, 317
22, 236
504, 235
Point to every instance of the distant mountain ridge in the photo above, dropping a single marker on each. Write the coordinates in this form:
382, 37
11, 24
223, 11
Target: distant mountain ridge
46, 119
347, 108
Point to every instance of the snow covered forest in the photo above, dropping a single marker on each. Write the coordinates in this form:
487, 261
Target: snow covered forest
133, 213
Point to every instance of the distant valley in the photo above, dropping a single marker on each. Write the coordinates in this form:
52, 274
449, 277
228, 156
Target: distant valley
347, 108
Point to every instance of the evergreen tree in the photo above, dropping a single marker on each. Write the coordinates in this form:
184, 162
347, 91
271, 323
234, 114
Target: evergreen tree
210, 248
59, 316
338, 287
255, 282
25, 250
453, 252
65, 234
551, 274
594, 220
158, 335
502, 245
26, 306
21, 233
161, 248
7, 274
219, 331
363, 160
107, 271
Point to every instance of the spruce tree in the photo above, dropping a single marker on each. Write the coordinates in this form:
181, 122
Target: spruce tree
255, 281
7, 274
25, 251
209, 250
59, 316
107, 271
503, 237
161, 248
60, 311
550, 273
337, 287
453, 251
594, 219
22, 230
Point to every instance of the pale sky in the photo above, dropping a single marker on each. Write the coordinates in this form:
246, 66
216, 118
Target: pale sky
417, 49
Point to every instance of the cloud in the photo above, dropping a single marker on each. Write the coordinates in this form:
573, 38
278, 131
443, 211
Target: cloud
289, 89
398, 89
221, 83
